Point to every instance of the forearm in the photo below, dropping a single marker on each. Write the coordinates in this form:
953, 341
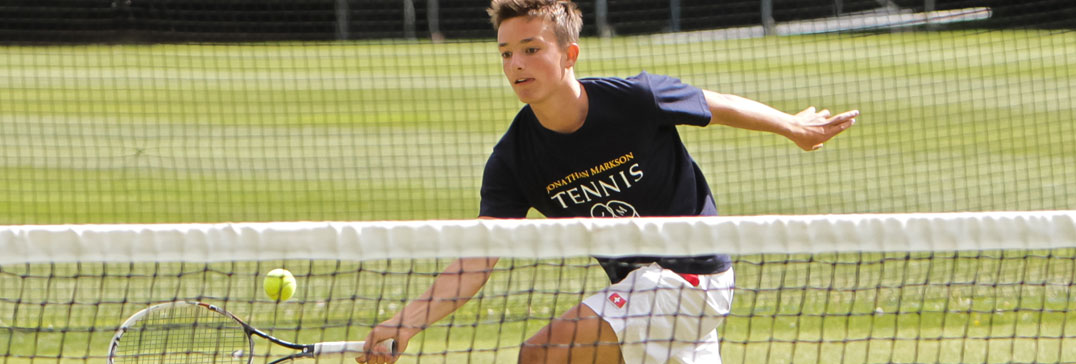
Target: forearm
739, 112
456, 285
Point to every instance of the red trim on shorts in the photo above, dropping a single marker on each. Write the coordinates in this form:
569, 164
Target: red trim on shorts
690, 278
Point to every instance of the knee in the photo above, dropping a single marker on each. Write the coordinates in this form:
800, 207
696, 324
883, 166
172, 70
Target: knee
531, 354
536, 349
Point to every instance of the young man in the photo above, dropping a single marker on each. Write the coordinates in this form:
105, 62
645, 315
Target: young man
604, 147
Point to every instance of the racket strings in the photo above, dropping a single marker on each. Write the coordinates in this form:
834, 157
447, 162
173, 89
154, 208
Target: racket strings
184, 334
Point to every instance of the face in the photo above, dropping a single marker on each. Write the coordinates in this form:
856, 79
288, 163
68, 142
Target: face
535, 65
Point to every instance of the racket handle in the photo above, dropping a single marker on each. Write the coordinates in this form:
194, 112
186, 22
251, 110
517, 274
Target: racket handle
348, 349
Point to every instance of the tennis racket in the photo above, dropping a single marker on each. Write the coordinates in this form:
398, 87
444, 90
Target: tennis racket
196, 332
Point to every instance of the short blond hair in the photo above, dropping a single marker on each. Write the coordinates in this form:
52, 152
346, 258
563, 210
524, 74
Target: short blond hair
566, 17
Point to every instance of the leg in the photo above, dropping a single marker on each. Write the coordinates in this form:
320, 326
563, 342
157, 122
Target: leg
579, 336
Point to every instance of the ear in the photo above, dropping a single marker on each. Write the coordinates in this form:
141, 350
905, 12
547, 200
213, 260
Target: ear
572, 53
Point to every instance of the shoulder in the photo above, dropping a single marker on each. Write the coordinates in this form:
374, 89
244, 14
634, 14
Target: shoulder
615, 89
644, 83
635, 82
657, 84
652, 95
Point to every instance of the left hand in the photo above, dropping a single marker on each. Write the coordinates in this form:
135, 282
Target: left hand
815, 128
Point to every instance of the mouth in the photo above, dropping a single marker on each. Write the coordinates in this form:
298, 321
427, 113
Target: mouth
522, 81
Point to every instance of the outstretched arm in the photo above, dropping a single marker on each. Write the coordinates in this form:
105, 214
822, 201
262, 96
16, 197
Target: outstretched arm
808, 128
451, 289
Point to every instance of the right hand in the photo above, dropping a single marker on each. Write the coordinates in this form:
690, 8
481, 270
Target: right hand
377, 354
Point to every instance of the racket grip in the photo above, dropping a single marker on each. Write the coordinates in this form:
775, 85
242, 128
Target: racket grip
348, 349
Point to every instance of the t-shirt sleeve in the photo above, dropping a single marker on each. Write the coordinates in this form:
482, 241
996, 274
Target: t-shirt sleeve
674, 102
501, 196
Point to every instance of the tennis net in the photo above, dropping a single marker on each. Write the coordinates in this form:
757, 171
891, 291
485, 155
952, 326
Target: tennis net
896, 288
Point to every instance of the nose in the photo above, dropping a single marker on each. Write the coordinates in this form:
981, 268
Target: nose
515, 63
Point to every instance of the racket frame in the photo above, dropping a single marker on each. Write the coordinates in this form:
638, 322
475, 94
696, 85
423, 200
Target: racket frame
305, 351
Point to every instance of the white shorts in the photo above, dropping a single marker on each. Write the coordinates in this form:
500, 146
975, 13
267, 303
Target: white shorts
660, 317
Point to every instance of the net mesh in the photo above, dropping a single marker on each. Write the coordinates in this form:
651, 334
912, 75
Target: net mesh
994, 288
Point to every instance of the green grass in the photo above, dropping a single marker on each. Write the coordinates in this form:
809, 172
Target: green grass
952, 121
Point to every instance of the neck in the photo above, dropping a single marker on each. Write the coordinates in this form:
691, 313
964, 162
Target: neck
566, 112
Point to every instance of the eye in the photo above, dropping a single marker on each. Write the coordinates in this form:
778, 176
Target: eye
506, 55
532, 50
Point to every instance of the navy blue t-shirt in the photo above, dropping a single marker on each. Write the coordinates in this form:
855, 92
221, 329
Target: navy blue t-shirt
627, 160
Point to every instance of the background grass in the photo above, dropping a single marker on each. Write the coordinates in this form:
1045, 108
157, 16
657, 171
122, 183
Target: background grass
952, 121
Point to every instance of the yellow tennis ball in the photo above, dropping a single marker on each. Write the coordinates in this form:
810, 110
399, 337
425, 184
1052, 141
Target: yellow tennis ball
279, 284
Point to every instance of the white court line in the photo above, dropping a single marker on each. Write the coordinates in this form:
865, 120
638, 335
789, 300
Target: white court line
852, 22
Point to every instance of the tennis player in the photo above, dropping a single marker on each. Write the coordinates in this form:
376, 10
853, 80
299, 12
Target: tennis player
604, 147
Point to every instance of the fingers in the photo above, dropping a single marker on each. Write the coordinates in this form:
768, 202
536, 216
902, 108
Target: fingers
847, 115
845, 120
370, 340
840, 121
809, 116
810, 111
821, 127
378, 355
375, 351
817, 127
374, 356
839, 118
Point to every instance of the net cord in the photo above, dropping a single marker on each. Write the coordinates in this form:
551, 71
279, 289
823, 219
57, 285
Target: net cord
537, 238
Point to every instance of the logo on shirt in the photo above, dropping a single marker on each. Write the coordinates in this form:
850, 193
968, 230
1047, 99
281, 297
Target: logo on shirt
613, 208
594, 171
617, 300
598, 184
